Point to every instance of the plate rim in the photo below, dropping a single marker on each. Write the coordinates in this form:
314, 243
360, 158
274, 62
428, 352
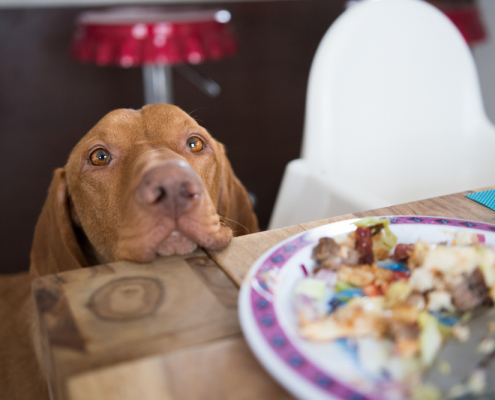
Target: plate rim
298, 385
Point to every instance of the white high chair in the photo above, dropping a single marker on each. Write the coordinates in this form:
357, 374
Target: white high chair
393, 114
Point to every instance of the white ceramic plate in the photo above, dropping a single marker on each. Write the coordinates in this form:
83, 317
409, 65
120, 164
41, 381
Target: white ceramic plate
310, 370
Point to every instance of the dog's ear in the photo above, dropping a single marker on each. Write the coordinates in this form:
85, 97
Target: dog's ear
234, 203
55, 247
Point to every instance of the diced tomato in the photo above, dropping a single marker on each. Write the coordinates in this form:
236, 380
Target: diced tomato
363, 245
400, 275
372, 290
403, 251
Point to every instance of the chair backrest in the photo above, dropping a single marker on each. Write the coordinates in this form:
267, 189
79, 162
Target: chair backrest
394, 103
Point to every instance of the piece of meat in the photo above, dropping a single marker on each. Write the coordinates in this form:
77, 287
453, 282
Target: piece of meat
382, 275
405, 337
417, 300
326, 254
401, 331
362, 275
471, 292
403, 251
355, 319
326, 248
349, 255
364, 245
330, 255
358, 275
403, 314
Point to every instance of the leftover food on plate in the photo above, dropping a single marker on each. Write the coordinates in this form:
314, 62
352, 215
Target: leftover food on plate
397, 303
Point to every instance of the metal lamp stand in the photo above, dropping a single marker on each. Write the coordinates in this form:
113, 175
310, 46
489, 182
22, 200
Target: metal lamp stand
158, 83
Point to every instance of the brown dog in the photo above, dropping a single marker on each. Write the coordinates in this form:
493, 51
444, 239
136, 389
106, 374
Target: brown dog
140, 184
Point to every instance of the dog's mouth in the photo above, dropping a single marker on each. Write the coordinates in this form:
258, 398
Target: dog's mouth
151, 233
169, 212
176, 243
168, 237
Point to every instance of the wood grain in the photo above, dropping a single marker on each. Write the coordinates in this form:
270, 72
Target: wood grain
244, 250
125, 311
127, 298
314, 224
169, 330
214, 278
225, 369
57, 319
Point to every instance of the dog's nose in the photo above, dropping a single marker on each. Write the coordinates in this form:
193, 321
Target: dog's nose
171, 187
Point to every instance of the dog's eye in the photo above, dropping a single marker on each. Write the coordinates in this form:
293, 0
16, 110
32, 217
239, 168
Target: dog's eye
195, 144
99, 157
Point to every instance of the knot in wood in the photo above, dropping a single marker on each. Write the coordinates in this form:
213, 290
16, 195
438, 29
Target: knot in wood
127, 298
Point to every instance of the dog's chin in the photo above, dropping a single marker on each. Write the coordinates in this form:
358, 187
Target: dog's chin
148, 235
167, 239
176, 243
158, 241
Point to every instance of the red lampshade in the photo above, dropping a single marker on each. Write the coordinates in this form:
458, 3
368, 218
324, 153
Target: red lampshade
137, 36
468, 20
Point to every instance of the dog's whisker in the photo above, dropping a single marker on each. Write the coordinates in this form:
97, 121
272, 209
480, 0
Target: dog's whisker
155, 203
197, 109
235, 232
235, 222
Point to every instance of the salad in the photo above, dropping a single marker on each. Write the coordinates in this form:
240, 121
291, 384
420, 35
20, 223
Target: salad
396, 302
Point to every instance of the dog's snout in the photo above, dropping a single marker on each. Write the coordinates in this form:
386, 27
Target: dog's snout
172, 188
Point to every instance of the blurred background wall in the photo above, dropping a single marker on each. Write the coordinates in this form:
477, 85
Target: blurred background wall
49, 101
484, 55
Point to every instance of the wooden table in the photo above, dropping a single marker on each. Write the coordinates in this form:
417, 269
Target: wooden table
169, 330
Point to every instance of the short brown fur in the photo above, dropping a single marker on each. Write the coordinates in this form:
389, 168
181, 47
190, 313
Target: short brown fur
89, 212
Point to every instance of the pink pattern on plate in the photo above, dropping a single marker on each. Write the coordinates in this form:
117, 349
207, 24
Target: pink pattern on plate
267, 321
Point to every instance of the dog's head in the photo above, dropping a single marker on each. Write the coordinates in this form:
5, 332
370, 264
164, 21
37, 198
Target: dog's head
139, 185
